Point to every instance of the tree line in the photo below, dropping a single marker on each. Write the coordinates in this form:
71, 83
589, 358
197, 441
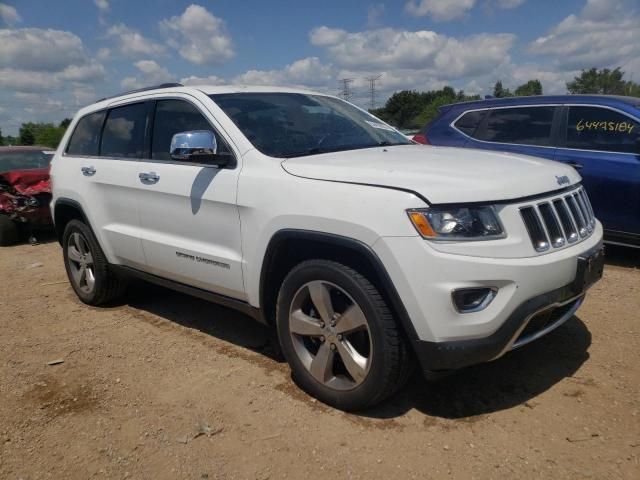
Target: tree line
410, 109
37, 133
407, 109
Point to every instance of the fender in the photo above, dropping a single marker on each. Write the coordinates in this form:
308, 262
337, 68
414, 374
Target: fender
343, 242
69, 203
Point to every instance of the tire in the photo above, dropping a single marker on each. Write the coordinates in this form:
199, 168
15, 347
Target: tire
9, 234
351, 365
99, 284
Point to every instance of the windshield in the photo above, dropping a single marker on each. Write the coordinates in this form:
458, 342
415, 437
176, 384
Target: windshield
24, 160
294, 124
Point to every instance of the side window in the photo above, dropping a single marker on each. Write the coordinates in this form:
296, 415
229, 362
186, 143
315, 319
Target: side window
594, 128
85, 138
520, 125
469, 122
175, 116
123, 134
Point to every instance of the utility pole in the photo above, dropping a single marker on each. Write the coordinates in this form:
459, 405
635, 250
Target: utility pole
346, 92
372, 90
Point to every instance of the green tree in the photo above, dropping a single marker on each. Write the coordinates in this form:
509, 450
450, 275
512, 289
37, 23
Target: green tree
402, 107
443, 97
45, 134
532, 87
500, 92
65, 123
48, 135
26, 134
604, 81
1, 138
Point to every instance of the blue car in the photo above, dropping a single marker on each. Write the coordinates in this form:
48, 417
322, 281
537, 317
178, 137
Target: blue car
599, 135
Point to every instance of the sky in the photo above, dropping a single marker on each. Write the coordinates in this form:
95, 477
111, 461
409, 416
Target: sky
59, 55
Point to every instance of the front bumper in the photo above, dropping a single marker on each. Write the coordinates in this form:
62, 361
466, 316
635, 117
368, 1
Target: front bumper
536, 295
443, 356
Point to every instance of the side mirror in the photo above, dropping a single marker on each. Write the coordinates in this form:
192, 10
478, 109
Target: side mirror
198, 146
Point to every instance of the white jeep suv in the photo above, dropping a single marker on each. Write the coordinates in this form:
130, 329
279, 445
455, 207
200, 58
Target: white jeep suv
366, 253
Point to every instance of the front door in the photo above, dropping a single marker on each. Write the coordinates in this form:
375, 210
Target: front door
189, 218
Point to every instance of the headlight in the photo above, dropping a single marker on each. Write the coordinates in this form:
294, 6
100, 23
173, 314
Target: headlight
457, 223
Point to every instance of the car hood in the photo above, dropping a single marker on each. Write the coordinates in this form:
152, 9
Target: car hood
27, 182
439, 174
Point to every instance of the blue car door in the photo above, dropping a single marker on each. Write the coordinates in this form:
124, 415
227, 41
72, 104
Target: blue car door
526, 130
602, 143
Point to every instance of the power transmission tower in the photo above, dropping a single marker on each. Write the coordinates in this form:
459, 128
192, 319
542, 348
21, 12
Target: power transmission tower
372, 90
346, 92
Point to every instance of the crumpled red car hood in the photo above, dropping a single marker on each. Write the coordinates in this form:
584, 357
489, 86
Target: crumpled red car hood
29, 182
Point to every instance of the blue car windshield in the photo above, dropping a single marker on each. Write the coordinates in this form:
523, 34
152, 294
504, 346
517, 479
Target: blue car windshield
294, 124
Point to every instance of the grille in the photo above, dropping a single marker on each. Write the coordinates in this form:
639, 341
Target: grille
556, 222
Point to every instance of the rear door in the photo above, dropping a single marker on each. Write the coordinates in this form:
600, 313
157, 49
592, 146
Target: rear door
101, 158
603, 145
523, 129
188, 213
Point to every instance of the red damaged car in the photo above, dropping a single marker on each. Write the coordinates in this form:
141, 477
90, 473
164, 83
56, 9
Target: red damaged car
25, 193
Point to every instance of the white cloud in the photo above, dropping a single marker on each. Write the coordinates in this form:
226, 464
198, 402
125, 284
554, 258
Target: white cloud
209, 80
27, 81
505, 4
103, 5
149, 73
599, 36
132, 43
326, 37
199, 36
307, 72
438, 54
439, 10
103, 53
89, 72
38, 60
9, 14
374, 12
103, 8
39, 49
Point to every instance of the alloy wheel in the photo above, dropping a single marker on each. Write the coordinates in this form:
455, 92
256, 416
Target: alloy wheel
330, 335
81, 263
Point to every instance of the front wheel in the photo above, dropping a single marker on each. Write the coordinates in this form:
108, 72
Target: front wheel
339, 336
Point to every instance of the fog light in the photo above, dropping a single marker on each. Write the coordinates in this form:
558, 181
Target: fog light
475, 299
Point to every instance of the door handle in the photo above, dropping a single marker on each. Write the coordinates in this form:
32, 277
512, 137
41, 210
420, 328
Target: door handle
575, 165
88, 171
149, 178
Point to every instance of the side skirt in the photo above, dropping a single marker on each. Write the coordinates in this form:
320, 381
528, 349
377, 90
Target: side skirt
243, 307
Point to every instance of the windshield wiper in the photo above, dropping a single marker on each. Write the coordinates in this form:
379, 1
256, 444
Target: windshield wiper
317, 150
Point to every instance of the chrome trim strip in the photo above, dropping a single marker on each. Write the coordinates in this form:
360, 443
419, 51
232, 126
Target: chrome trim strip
513, 344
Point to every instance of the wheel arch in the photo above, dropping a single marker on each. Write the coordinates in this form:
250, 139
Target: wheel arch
64, 211
289, 247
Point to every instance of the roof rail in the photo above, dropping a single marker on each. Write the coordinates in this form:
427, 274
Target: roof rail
138, 90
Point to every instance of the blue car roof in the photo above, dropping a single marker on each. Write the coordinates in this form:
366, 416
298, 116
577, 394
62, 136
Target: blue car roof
610, 100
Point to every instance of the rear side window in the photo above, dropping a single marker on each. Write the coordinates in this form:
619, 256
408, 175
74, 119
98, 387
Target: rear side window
86, 136
175, 116
123, 134
520, 125
594, 128
469, 122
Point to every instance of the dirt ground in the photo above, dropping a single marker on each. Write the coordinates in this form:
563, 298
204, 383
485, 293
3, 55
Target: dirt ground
167, 386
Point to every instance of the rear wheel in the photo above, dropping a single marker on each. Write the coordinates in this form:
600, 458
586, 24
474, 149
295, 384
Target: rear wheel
90, 275
339, 336
9, 234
